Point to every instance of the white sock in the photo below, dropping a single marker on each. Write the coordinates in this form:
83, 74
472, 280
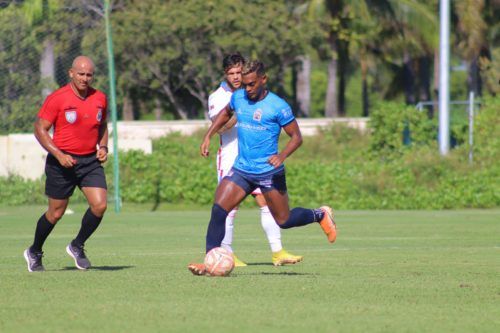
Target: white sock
228, 237
271, 228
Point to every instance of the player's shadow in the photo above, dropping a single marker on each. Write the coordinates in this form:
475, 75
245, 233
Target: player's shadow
99, 268
287, 273
259, 264
283, 274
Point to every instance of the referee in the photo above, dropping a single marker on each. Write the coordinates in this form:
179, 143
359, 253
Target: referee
77, 114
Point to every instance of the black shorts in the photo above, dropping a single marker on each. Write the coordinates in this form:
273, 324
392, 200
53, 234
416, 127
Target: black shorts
271, 180
61, 181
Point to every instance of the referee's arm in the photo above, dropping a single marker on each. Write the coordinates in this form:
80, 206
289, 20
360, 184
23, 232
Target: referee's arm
42, 127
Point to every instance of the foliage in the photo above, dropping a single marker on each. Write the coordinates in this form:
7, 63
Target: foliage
487, 131
394, 126
23, 34
18, 56
178, 56
338, 166
175, 173
17, 191
168, 53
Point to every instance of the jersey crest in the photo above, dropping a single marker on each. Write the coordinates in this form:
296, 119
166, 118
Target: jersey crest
257, 115
99, 114
70, 116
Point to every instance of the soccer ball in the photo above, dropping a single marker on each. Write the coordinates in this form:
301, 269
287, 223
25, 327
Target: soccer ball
219, 262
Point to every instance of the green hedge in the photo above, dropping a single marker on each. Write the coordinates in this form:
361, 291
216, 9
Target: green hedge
339, 166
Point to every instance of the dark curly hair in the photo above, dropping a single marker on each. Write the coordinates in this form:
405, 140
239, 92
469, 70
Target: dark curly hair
231, 60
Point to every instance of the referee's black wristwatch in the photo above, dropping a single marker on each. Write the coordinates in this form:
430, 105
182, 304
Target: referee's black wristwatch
105, 147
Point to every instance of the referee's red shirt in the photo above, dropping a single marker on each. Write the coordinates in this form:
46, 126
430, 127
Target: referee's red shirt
76, 121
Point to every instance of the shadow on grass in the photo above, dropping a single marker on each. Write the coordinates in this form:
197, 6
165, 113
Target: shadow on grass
98, 268
259, 264
278, 273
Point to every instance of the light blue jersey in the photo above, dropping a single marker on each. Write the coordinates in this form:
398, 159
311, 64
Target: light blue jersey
259, 128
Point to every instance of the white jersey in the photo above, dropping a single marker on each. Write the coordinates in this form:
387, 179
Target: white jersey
228, 150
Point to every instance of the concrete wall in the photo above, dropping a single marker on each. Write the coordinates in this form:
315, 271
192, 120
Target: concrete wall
156, 129
21, 154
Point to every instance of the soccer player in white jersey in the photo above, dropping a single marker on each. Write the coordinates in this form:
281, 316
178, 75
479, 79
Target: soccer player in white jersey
261, 116
226, 155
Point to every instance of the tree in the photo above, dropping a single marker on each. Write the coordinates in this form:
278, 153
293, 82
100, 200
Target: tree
179, 51
328, 15
18, 62
36, 12
472, 38
302, 85
400, 35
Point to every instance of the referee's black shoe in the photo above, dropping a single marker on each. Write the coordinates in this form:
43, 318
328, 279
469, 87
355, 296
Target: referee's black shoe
34, 260
78, 254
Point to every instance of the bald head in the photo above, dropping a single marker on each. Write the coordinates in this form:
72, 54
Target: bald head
81, 74
83, 62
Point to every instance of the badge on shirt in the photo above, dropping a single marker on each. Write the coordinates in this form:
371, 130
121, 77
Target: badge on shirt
99, 114
286, 112
257, 115
70, 116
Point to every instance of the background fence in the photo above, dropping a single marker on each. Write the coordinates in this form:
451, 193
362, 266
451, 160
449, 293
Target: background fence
38, 42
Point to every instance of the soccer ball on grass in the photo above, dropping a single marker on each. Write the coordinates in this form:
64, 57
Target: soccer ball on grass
219, 262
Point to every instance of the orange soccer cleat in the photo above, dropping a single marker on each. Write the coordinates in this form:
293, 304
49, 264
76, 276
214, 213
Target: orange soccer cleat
197, 269
328, 224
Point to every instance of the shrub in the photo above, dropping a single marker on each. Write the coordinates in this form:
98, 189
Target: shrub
338, 167
393, 125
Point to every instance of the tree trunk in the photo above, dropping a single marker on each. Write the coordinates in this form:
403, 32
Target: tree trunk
331, 103
180, 111
343, 52
473, 78
408, 79
158, 111
128, 108
435, 95
303, 86
424, 73
47, 67
364, 74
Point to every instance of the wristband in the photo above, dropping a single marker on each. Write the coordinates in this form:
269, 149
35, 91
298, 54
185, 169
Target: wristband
105, 147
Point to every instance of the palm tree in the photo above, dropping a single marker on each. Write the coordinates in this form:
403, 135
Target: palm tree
356, 27
302, 78
404, 34
472, 30
326, 12
36, 12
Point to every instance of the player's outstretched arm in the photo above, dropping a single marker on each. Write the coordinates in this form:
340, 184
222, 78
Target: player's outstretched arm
293, 131
42, 127
221, 119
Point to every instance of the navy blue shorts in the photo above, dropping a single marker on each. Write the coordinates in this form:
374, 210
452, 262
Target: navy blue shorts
271, 180
61, 181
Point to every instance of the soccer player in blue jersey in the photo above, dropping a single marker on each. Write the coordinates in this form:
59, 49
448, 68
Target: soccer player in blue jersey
260, 117
232, 65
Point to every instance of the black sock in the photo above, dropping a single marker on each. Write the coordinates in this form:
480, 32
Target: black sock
90, 222
216, 228
299, 217
318, 214
42, 231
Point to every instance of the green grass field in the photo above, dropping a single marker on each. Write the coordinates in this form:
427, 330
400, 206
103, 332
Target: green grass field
389, 271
